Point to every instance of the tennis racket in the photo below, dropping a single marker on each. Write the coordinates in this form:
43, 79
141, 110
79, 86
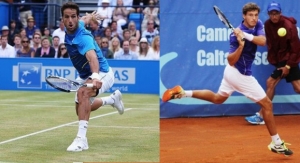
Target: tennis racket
65, 85
223, 18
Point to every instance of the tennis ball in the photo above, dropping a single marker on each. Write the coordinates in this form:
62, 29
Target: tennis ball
281, 32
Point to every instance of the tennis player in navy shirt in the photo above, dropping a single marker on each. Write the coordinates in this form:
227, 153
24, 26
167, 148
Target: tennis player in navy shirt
238, 75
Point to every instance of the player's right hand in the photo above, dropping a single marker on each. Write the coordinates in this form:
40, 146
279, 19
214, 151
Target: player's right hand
97, 84
239, 34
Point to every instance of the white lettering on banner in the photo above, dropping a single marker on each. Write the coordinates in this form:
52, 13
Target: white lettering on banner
219, 58
216, 34
212, 34
124, 75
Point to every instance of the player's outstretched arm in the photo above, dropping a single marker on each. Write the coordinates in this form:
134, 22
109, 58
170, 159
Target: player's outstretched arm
259, 40
88, 17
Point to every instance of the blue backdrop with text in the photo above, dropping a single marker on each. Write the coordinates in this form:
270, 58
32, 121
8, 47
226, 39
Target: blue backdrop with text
131, 76
194, 48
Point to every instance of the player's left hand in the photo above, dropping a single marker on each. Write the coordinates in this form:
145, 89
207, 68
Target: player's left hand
97, 84
285, 71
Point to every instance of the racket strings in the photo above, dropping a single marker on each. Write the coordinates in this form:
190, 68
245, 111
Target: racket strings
63, 84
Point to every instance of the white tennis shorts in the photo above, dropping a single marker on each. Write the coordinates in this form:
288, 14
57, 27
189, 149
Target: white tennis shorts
233, 80
107, 80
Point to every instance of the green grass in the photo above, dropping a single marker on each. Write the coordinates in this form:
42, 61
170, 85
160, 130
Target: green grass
131, 137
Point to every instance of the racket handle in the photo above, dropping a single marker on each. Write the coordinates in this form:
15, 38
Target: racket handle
89, 85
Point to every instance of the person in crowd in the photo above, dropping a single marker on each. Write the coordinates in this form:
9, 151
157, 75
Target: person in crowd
98, 40
150, 13
126, 36
5, 31
30, 29
141, 4
6, 51
55, 44
133, 31
145, 53
17, 43
95, 28
62, 51
133, 45
108, 35
115, 31
46, 51
23, 33
36, 41
156, 47
120, 14
107, 53
47, 35
115, 45
24, 11
13, 30
26, 50
60, 32
105, 11
151, 32
125, 54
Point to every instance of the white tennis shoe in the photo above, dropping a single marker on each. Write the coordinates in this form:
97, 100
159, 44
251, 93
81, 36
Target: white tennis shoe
118, 103
79, 144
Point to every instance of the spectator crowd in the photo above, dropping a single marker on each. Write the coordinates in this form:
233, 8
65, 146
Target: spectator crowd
117, 36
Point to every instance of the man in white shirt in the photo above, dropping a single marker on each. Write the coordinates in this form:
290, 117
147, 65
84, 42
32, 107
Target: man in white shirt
105, 12
6, 51
60, 32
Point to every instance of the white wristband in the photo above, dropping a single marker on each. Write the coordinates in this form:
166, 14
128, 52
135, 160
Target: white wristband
248, 36
95, 76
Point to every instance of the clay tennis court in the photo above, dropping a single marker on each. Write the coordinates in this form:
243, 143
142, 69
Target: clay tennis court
225, 139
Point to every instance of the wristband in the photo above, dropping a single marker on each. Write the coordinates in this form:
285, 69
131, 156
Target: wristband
95, 76
248, 36
288, 67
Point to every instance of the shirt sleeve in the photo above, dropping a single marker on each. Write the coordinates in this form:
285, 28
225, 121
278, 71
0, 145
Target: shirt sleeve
86, 44
260, 28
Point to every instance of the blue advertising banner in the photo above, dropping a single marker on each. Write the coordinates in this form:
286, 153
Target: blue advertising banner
131, 76
195, 45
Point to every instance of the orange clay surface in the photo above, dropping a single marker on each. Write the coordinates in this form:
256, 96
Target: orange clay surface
225, 140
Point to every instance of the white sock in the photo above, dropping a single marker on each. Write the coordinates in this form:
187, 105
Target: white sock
82, 128
188, 93
259, 114
276, 139
107, 100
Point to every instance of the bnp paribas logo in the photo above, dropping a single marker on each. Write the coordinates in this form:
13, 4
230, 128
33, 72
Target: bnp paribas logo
29, 75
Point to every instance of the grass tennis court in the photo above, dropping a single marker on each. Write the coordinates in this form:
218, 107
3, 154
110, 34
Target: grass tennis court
39, 126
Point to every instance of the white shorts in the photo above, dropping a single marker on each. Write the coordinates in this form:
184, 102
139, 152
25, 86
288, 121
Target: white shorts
233, 80
107, 80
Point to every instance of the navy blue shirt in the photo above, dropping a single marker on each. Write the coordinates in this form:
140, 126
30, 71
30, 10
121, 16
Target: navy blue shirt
77, 45
248, 54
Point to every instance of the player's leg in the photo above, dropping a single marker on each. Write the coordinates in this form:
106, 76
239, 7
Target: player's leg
115, 99
248, 86
272, 81
277, 145
178, 92
83, 110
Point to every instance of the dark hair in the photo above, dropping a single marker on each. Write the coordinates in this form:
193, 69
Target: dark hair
59, 51
55, 37
70, 5
250, 7
17, 35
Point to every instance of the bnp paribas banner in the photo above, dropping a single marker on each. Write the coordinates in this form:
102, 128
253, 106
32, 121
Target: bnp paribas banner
195, 44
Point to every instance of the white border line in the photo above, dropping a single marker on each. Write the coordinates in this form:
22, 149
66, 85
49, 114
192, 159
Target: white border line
53, 128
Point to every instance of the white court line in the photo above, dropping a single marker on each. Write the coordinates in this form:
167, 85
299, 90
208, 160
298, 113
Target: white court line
53, 128
120, 127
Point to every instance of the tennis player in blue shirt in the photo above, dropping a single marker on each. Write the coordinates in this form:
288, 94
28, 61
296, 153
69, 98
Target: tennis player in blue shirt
238, 74
92, 67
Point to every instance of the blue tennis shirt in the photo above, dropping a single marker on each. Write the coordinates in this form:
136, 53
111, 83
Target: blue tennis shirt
77, 45
248, 54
